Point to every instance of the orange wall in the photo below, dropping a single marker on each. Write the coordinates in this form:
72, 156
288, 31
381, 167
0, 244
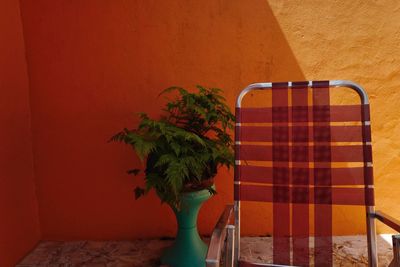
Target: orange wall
93, 64
19, 223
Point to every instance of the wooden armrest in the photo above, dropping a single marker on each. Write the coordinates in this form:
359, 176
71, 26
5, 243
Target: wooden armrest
218, 237
388, 220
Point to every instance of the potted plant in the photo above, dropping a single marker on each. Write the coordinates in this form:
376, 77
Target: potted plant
183, 150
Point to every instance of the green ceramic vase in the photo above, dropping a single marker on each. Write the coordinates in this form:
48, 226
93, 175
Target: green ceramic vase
188, 249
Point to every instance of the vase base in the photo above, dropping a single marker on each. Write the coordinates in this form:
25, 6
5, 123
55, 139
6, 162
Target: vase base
187, 251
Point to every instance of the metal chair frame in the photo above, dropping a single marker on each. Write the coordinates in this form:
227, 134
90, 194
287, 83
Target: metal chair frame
226, 235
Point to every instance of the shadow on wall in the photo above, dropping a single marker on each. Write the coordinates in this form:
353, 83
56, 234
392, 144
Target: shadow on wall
93, 64
19, 219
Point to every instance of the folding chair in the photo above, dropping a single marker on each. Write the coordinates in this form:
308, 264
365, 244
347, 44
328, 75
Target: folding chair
304, 154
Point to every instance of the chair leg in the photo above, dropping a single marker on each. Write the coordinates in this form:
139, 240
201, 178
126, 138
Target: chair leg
396, 251
230, 246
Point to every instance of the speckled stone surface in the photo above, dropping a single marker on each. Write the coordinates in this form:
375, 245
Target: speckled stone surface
135, 253
348, 251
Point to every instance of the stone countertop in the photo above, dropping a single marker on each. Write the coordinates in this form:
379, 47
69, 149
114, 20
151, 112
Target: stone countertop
348, 251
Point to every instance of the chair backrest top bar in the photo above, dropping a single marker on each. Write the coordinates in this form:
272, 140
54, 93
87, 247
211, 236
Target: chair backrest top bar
332, 83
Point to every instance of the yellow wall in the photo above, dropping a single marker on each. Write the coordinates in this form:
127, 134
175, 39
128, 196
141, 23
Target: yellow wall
355, 40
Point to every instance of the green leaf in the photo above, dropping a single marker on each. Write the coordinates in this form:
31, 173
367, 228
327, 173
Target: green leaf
165, 159
119, 137
133, 171
181, 90
139, 192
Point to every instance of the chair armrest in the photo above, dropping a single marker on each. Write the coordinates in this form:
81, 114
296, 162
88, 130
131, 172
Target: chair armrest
395, 225
388, 220
218, 238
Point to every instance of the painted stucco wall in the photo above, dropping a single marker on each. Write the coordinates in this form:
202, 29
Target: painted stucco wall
93, 64
19, 221
355, 40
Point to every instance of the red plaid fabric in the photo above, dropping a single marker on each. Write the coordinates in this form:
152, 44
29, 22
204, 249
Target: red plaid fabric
286, 155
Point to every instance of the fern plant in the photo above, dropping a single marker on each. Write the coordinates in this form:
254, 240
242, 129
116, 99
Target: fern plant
184, 148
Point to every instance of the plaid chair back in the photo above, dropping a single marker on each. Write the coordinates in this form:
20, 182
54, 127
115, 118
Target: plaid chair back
303, 151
